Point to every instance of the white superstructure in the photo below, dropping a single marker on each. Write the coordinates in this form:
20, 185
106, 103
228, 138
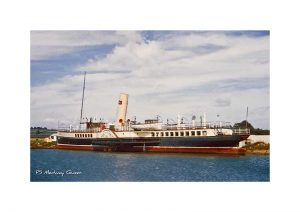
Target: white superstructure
150, 128
182, 132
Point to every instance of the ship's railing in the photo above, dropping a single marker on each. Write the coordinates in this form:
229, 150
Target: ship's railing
80, 131
241, 131
198, 125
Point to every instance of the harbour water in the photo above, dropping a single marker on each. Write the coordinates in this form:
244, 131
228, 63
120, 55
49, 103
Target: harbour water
88, 166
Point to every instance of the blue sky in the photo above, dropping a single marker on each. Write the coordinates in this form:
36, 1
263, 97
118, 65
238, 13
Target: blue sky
48, 69
164, 72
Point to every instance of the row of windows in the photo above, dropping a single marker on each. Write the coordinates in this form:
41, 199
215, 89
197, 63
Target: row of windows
86, 135
176, 134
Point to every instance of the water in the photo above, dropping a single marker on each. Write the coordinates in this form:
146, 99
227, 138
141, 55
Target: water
66, 165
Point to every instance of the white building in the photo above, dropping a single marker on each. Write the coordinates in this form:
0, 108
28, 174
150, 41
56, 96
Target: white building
256, 138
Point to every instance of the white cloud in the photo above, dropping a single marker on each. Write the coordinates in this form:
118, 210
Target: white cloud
153, 62
222, 102
45, 44
176, 74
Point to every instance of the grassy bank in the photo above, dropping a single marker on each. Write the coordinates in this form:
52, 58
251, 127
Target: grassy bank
40, 143
258, 148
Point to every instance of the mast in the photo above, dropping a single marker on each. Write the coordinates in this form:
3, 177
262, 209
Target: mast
246, 117
82, 97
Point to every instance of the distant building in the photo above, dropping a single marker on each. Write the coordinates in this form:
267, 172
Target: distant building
51, 138
259, 138
256, 138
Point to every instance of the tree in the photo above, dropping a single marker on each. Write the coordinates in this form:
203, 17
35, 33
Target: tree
253, 131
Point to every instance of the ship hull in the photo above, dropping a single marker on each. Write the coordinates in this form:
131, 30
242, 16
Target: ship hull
74, 147
209, 150
215, 144
204, 141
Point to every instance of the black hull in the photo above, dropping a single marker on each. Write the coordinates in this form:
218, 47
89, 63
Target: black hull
207, 141
120, 143
109, 141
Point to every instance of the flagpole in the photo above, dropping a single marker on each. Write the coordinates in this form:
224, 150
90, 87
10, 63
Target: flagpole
82, 98
246, 117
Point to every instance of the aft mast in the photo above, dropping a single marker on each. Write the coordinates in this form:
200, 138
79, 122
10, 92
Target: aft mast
246, 117
82, 100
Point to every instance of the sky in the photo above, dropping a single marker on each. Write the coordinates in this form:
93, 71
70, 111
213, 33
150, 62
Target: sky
166, 73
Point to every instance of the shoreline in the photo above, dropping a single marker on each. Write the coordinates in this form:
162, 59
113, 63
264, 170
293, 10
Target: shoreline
248, 152
258, 152
42, 147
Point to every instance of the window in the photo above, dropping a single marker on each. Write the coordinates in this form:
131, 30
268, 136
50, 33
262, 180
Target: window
162, 134
187, 133
172, 133
176, 133
193, 133
204, 133
91, 135
181, 133
152, 134
198, 132
157, 134
167, 133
